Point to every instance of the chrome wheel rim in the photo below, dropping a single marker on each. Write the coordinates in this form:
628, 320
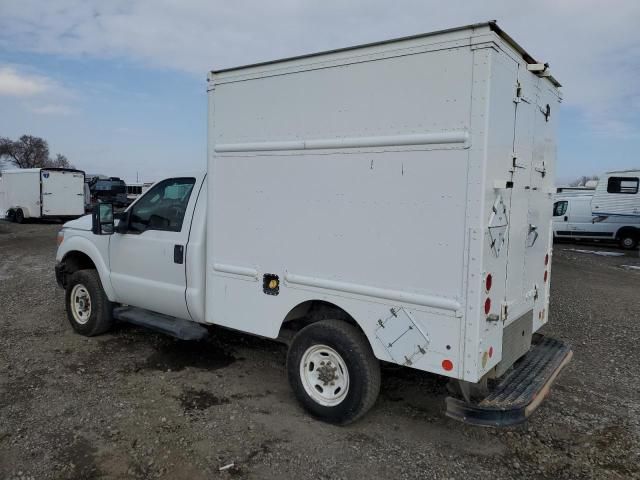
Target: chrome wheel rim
80, 304
324, 375
627, 242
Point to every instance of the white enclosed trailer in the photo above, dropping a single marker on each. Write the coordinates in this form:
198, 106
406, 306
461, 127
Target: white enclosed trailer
41, 193
388, 202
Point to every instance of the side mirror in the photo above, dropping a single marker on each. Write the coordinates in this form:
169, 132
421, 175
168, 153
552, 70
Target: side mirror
102, 219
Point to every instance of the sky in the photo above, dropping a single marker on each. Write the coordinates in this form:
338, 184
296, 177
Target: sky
119, 87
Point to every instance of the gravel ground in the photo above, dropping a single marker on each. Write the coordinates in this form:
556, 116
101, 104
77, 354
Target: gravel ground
134, 404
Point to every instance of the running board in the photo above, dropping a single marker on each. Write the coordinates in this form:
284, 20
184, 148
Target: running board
521, 391
176, 327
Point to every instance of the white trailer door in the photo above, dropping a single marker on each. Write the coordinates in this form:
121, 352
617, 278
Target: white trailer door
62, 193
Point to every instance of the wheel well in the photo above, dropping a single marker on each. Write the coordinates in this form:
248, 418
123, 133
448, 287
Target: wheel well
74, 261
310, 312
632, 231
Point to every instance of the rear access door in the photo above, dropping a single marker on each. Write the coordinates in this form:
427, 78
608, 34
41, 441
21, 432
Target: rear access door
62, 193
531, 201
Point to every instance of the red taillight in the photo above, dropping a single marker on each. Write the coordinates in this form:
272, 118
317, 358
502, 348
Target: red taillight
488, 281
490, 352
546, 259
546, 275
487, 306
447, 365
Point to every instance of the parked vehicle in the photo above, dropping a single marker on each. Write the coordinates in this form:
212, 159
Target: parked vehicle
328, 175
134, 190
33, 193
573, 218
112, 190
618, 194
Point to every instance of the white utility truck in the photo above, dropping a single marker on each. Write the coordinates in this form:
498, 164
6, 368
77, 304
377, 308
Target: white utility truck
388, 202
41, 193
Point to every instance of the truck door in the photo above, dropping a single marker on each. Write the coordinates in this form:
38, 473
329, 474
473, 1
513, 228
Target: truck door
148, 261
561, 212
62, 193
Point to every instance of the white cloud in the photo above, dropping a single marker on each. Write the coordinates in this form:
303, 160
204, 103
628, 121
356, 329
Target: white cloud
36, 91
593, 47
16, 84
52, 109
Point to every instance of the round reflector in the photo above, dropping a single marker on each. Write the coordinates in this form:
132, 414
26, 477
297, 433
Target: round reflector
447, 365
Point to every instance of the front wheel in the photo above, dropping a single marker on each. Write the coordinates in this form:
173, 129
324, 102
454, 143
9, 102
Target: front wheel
19, 216
333, 372
88, 309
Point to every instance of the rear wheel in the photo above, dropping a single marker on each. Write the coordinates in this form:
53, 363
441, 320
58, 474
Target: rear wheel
333, 372
88, 309
19, 216
11, 215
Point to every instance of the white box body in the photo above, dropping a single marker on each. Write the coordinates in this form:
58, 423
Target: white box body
393, 176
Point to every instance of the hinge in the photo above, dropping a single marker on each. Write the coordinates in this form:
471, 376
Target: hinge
520, 94
516, 99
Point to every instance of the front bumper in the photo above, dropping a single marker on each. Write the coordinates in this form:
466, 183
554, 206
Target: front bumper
521, 391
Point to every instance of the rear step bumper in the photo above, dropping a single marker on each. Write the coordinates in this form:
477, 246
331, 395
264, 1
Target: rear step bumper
521, 391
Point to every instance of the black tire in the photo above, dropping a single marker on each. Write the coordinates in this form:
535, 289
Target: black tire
100, 316
362, 366
11, 215
628, 241
19, 216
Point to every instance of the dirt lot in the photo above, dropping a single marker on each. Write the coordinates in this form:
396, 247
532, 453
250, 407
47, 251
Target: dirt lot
133, 404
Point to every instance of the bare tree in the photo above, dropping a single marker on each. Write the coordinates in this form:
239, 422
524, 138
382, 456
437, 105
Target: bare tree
30, 152
59, 162
582, 181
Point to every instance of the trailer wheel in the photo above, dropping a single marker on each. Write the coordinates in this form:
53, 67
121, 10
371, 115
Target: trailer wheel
333, 372
11, 215
19, 216
88, 309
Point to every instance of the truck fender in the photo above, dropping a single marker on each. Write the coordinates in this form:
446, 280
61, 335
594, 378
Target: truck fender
83, 245
348, 315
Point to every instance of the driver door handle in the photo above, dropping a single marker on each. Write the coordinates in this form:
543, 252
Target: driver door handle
178, 254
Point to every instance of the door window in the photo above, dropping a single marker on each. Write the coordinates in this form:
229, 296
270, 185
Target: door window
560, 208
162, 207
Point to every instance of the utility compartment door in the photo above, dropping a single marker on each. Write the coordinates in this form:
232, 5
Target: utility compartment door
520, 232
62, 193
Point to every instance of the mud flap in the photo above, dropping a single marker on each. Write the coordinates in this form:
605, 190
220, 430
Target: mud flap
521, 391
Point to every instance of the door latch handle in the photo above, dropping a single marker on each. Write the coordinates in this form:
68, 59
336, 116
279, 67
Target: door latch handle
178, 254
532, 236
